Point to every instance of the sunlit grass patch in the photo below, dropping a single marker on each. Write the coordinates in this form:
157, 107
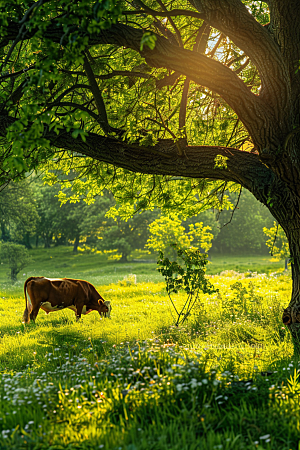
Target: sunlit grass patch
136, 381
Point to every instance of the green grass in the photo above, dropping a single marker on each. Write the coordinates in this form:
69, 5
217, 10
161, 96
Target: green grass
228, 380
62, 262
259, 264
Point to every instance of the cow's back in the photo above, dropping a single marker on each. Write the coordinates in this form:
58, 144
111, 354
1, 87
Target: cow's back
54, 290
62, 290
88, 289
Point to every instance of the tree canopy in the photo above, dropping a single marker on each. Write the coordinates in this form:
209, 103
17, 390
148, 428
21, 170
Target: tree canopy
83, 82
198, 96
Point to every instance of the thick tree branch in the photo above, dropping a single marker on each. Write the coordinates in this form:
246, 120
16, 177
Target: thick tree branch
16, 74
97, 95
232, 18
107, 76
199, 46
285, 30
200, 161
253, 112
242, 167
172, 13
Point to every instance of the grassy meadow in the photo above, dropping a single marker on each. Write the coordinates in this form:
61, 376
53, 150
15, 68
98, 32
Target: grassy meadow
227, 380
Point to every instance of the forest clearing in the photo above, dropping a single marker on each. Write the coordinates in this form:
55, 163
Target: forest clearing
225, 380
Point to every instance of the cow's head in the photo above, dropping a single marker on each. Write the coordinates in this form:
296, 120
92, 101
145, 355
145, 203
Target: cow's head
107, 303
103, 307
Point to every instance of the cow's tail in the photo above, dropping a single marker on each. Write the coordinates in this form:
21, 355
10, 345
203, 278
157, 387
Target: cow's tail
26, 315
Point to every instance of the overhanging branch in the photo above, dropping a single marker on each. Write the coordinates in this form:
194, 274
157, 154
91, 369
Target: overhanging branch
232, 18
163, 158
251, 109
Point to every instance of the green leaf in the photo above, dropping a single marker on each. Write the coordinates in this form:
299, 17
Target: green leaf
148, 39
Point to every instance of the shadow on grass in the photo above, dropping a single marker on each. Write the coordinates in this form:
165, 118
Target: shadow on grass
28, 345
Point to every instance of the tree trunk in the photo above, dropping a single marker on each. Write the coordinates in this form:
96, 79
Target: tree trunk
27, 241
76, 243
291, 315
4, 233
13, 274
282, 197
47, 245
286, 262
123, 257
48, 240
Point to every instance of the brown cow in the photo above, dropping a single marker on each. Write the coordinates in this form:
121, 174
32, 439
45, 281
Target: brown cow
53, 294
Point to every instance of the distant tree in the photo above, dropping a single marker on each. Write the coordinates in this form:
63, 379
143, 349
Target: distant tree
209, 218
126, 236
16, 256
61, 223
241, 230
18, 213
48, 208
278, 243
165, 231
89, 221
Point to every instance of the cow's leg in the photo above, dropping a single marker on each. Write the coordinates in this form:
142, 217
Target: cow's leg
34, 312
79, 307
25, 318
30, 303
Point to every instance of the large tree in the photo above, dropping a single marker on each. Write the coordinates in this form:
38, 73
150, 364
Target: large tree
195, 90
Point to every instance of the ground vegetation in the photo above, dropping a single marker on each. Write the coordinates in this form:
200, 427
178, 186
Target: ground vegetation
198, 97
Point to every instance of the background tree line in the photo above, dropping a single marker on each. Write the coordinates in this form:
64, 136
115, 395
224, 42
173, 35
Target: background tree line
32, 215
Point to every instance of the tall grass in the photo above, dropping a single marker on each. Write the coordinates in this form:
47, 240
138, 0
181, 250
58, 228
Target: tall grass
228, 380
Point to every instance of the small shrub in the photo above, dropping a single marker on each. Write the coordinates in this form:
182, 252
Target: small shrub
16, 256
129, 280
190, 278
231, 274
